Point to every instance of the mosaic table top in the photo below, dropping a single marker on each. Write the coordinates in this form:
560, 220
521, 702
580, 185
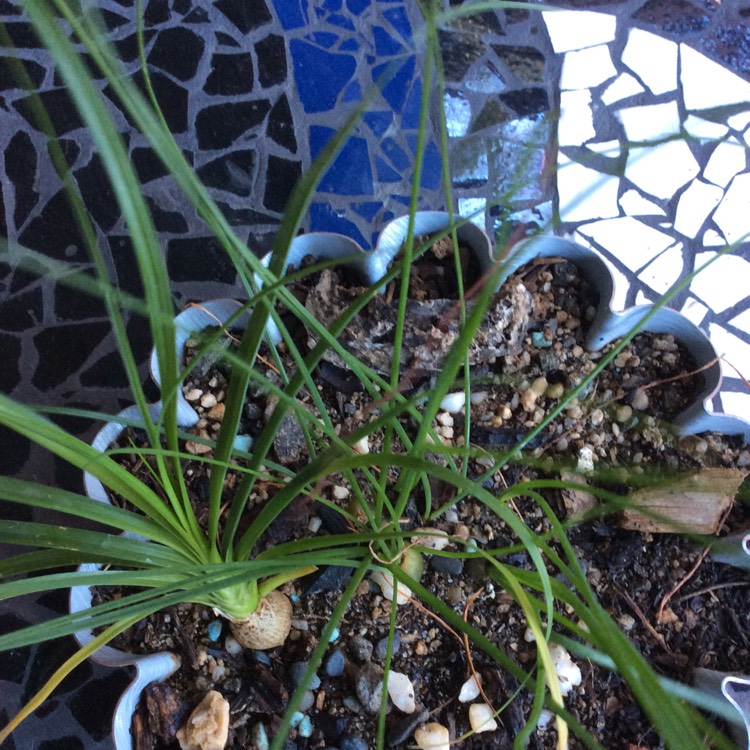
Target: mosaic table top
622, 125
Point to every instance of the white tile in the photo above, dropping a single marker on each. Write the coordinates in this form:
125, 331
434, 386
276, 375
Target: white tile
661, 170
634, 204
457, 114
621, 282
653, 59
739, 121
707, 84
587, 68
585, 194
629, 240
733, 349
722, 284
711, 238
576, 29
606, 148
727, 159
735, 403
623, 86
694, 311
742, 321
473, 207
704, 129
664, 271
576, 124
651, 122
733, 214
694, 206
641, 298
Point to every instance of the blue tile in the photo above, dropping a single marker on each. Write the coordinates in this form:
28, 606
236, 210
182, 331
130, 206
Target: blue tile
400, 21
353, 92
349, 45
432, 166
385, 44
323, 38
410, 116
337, 19
379, 122
350, 173
385, 173
324, 219
320, 75
368, 210
357, 6
403, 199
396, 85
398, 157
293, 14
332, 5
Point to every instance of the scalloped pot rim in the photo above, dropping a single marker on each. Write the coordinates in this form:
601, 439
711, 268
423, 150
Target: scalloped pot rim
607, 325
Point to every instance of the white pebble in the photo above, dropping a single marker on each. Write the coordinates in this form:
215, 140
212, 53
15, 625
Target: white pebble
478, 397
340, 492
597, 417
432, 736
545, 719
362, 446
585, 460
470, 689
481, 718
232, 646
208, 400
640, 401
384, 579
194, 394
314, 524
529, 636
568, 673
401, 692
453, 402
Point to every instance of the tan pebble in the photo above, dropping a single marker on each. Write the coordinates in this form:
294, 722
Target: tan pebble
421, 648
640, 401
574, 411
539, 386
208, 400
461, 531
504, 411
528, 399
445, 418
447, 432
621, 359
207, 728
555, 391
432, 736
217, 412
481, 718
577, 351
197, 449
193, 394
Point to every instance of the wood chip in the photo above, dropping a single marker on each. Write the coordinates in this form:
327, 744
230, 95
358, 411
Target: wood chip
696, 502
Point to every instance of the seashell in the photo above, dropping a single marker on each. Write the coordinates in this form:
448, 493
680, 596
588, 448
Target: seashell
435, 539
481, 718
384, 579
207, 728
470, 689
401, 692
268, 626
432, 736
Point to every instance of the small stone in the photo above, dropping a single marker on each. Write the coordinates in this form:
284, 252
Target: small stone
596, 417
208, 400
453, 402
242, 443
305, 727
585, 463
432, 736
470, 689
214, 630
197, 449
335, 664
289, 442
307, 701
431, 537
451, 565
402, 727
381, 649
360, 648
421, 648
481, 718
362, 446
351, 742
401, 692
314, 524
340, 493
621, 359
539, 386
528, 399
217, 412
207, 728
640, 400
259, 737
743, 459
555, 391
445, 419
384, 579
297, 673
369, 687
232, 647
545, 719
623, 413
478, 397
193, 394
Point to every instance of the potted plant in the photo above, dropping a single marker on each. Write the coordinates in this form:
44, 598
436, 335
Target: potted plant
166, 557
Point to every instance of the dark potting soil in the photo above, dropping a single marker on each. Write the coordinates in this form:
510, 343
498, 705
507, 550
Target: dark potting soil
619, 423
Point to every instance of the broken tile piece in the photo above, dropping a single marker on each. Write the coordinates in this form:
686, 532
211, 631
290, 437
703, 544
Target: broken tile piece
576, 29
457, 114
653, 59
707, 84
694, 311
586, 68
623, 86
650, 123
634, 204
722, 284
711, 238
585, 194
739, 121
694, 206
733, 214
634, 243
742, 321
663, 169
576, 124
727, 159
704, 129
665, 270
473, 207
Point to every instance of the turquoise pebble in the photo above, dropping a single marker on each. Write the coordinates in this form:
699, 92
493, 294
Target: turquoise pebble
334, 635
297, 718
243, 443
539, 341
305, 727
214, 630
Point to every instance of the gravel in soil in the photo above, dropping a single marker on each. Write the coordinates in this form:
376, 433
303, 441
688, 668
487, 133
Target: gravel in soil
614, 434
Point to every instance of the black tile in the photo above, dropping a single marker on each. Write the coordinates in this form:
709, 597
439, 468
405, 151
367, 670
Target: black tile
8, 79
230, 74
127, 47
272, 66
22, 312
126, 266
72, 304
59, 106
13, 663
281, 177
157, 12
54, 232
280, 127
526, 102
177, 51
97, 193
14, 449
22, 35
233, 172
64, 743
219, 126
525, 63
166, 221
147, 165
199, 259
246, 16
107, 372
93, 705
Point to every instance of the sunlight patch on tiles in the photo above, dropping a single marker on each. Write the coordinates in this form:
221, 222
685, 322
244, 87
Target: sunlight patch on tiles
733, 214
727, 159
586, 68
634, 204
585, 194
576, 124
628, 239
724, 283
739, 121
742, 321
694, 206
623, 86
457, 114
576, 29
733, 402
653, 59
661, 170
707, 84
